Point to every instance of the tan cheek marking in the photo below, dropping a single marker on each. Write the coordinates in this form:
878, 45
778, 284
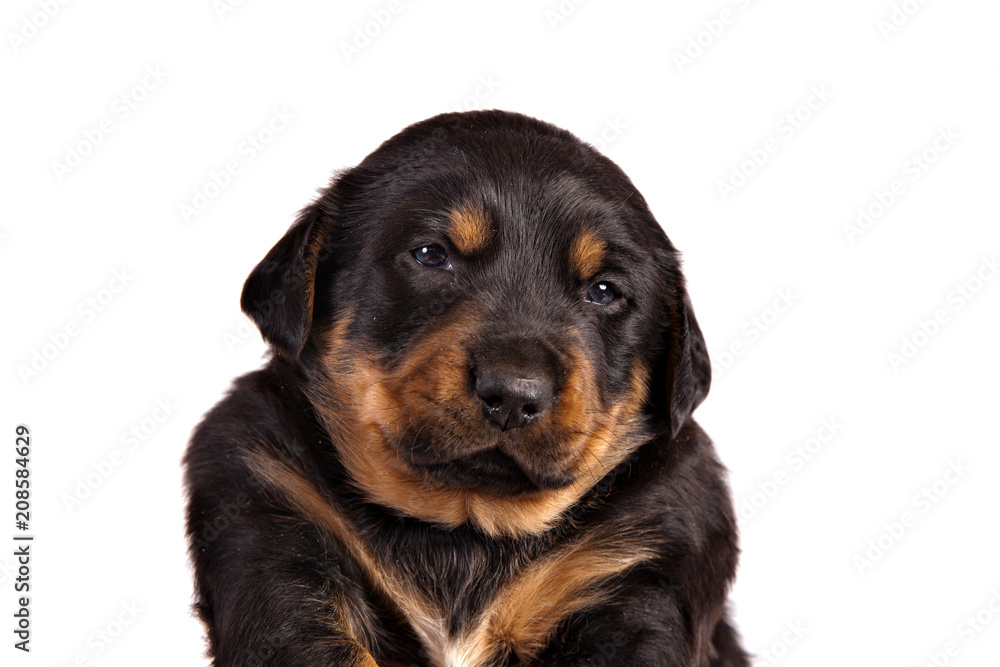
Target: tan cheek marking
586, 254
362, 413
469, 229
374, 412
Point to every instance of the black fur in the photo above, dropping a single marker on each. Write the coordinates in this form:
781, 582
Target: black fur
271, 584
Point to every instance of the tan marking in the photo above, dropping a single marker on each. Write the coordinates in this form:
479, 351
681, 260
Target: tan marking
586, 254
469, 229
365, 407
426, 619
521, 617
561, 583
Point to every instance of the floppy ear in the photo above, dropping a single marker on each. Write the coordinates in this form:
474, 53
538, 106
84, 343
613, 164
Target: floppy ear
690, 372
278, 294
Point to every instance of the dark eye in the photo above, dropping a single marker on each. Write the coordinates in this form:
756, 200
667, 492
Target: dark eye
432, 256
602, 294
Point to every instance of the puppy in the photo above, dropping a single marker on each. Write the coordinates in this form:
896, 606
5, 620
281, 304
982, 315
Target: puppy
472, 445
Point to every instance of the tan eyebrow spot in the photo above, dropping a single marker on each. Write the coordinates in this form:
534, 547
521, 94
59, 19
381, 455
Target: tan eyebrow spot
586, 254
469, 229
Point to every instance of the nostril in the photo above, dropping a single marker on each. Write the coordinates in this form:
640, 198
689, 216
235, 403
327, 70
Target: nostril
511, 396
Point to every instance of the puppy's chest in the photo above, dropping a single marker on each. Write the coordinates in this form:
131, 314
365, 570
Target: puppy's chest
472, 604
462, 579
449, 592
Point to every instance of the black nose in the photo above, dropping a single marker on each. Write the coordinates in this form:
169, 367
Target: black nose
512, 397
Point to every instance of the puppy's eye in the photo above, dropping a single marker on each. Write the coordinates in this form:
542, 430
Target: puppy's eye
602, 294
432, 256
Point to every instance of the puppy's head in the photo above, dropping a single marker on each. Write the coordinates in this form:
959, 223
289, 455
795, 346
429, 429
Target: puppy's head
489, 317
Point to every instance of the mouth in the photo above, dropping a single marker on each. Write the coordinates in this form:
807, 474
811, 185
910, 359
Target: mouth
494, 471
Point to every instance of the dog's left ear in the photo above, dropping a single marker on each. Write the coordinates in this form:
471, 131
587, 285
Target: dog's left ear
278, 294
682, 372
689, 371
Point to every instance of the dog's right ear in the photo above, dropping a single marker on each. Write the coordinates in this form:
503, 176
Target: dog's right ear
278, 294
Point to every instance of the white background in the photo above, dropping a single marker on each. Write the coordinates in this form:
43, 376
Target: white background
612, 73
